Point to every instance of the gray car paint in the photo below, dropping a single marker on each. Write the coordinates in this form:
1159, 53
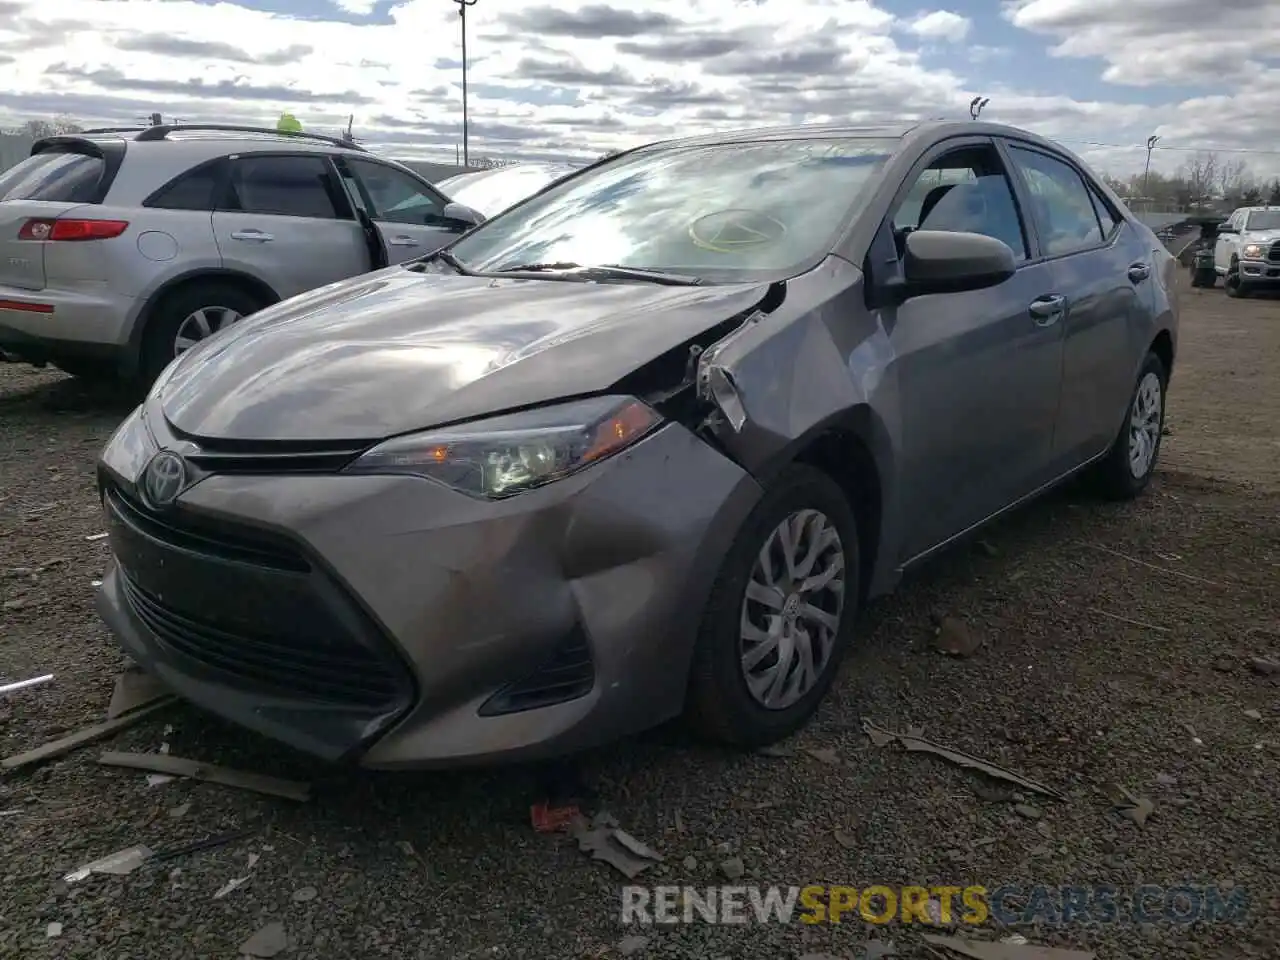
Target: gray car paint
954, 408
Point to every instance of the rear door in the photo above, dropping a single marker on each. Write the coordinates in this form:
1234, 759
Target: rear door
408, 212
286, 219
44, 186
1104, 269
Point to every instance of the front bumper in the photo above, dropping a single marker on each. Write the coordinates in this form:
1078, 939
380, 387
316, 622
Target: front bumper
393, 622
1260, 272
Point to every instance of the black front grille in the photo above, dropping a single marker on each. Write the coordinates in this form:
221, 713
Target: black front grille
349, 674
250, 609
1274, 253
270, 456
567, 675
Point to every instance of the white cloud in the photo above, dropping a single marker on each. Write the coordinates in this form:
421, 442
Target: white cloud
941, 25
578, 77
363, 7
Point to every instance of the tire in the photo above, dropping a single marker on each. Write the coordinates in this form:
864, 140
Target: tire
721, 705
1234, 284
175, 311
1115, 476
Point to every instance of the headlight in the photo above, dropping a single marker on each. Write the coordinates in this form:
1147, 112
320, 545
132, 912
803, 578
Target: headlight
506, 455
1253, 251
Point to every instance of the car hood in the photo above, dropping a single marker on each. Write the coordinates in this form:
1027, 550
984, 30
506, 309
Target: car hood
1261, 236
398, 350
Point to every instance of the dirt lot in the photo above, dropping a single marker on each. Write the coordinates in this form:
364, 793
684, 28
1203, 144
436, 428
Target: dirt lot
447, 866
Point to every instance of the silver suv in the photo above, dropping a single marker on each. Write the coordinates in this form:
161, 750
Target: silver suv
121, 248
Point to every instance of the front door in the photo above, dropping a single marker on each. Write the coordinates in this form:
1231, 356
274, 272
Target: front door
979, 372
286, 220
407, 212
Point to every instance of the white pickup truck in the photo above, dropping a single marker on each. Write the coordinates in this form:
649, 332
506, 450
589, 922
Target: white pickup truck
1247, 254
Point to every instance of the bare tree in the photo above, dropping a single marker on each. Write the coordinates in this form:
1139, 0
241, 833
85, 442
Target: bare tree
1232, 177
38, 129
1199, 179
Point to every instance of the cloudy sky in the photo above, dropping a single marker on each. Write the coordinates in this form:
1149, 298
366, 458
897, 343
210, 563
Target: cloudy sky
571, 78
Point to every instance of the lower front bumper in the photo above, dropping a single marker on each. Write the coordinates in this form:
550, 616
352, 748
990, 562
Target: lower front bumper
1259, 272
467, 598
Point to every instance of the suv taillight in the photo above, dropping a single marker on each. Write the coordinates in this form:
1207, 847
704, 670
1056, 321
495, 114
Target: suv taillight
39, 229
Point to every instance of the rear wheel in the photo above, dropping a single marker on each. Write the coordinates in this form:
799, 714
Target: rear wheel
780, 615
1127, 468
1234, 283
189, 315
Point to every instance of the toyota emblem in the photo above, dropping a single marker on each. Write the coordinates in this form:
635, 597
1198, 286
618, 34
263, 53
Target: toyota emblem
165, 478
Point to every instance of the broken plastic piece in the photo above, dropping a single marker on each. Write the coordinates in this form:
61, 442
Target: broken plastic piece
604, 841
267, 942
134, 689
230, 886
208, 773
548, 819
118, 864
24, 684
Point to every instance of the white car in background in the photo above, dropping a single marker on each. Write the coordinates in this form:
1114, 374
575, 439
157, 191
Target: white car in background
491, 191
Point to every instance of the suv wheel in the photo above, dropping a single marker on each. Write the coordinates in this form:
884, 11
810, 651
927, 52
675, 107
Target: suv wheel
189, 315
1234, 283
1127, 468
780, 615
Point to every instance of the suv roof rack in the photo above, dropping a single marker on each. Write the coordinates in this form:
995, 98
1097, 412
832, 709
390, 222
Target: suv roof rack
161, 131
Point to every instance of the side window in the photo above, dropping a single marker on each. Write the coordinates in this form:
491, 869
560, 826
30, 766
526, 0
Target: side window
1106, 216
198, 189
1060, 201
393, 196
967, 191
286, 186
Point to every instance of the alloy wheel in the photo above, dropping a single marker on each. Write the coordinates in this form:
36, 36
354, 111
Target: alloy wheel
201, 324
791, 613
1144, 425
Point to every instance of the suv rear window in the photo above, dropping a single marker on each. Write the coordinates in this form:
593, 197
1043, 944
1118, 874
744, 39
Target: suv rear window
57, 176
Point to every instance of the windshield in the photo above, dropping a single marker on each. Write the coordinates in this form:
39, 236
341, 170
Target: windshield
1264, 220
727, 211
493, 192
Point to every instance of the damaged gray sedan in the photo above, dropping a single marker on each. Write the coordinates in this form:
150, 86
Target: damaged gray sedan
643, 445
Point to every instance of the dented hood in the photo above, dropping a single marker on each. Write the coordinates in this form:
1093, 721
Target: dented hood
398, 350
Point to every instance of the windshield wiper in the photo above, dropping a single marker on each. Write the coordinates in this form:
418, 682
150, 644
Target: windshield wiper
606, 271
444, 256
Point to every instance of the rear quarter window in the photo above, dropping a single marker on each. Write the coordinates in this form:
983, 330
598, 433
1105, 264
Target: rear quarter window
199, 189
55, 176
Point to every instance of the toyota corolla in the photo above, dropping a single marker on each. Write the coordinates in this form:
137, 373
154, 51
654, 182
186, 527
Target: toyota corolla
641, 446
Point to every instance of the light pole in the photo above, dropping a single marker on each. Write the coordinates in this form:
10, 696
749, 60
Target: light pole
1146, 173
462, 12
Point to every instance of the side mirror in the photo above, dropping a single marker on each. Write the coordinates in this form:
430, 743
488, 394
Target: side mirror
938, 261
1227, 228
463, 215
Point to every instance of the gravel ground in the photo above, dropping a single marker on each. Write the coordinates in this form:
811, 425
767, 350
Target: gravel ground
447, 866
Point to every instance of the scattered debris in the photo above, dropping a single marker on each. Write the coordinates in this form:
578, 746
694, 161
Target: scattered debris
1195, 737
159, 779
82, 737
180, 810
95, 537
733, 868
267, 942
879, 737
1026, 810
1134, 808
119, 864
1253, 714
878, 949
548, 819
208, 773
230, 886
628, 946
135, 689
24, 684
1265, 667
53, 930
1156, 567
917, 744
1128, 620
601, 838
1014, 938
777, 750
954, 638
305, 895
823, 755
987, 950
199, 846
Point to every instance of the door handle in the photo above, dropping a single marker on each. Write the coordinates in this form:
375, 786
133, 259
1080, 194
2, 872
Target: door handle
257, 235
402, 242
1139, 272
1047, 310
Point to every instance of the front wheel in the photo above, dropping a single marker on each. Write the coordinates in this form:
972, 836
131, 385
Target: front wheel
1234, 284
1126, 470
780, 615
